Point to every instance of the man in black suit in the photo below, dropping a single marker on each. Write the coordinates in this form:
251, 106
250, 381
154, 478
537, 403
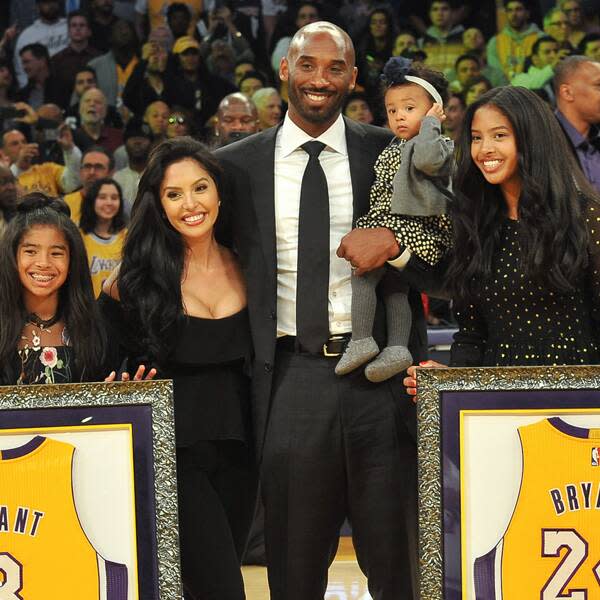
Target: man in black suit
330, 446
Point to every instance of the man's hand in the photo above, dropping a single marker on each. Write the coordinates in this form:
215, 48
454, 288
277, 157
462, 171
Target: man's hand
4, 160
26, 155
368, 249
30, 118
65, 138
10, 34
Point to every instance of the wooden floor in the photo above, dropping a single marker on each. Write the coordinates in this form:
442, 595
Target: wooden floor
346, 582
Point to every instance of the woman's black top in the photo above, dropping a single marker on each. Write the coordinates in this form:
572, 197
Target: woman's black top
515, 321
208, 366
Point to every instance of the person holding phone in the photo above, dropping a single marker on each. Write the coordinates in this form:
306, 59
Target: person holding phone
27, 164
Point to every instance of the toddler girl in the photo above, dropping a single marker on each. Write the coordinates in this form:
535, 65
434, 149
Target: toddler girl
408, 196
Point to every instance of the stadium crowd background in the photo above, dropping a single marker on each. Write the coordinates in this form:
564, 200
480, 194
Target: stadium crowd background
88, 87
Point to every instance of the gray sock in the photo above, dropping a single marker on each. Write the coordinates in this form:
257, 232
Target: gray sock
391, 361
399, 319
357, 353
364, 303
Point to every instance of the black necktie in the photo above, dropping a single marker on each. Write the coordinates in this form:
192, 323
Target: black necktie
312, 287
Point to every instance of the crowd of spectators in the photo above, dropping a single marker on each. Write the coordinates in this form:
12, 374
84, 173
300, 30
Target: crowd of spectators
121, 76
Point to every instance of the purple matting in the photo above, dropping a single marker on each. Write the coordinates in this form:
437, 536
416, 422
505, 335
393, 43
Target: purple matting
451, 405
140, 418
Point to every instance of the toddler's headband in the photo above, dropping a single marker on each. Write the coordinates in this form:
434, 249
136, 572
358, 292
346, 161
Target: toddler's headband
426, 86
395, 73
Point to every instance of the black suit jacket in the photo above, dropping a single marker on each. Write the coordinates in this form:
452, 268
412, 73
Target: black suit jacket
249, 186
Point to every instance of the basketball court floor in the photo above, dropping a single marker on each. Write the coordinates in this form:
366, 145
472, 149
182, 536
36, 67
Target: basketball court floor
346, 582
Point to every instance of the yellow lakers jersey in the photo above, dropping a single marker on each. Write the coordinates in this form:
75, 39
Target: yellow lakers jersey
42, 178
74, 201
103, 256
40, 532
551, 548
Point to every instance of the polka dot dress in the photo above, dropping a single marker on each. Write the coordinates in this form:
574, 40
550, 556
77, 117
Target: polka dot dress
517, 322
427, 237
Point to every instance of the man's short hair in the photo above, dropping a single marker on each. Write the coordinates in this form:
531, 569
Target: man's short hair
100, 150
541, 40
525, 3
561, 3
78, 13
86, 69
464, 57
254, 75
567, 67
178, 7
550, 15
585, 40
262, 94
38, 50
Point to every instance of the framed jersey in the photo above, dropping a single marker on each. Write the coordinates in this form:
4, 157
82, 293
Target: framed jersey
509, 483
88, 491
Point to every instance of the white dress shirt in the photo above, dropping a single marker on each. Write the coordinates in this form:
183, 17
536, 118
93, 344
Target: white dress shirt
290, 163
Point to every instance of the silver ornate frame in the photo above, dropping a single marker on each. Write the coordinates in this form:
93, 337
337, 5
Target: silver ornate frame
431, 384
157, 394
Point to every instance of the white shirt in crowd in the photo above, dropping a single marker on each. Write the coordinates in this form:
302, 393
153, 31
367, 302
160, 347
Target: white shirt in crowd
55, 37
129, 180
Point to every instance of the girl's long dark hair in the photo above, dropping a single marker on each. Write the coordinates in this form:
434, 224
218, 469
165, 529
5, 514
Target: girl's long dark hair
89, 218
76, 301
367, 42
151, 271
553, 236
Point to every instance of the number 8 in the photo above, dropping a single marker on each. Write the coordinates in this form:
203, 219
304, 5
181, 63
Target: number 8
13, 577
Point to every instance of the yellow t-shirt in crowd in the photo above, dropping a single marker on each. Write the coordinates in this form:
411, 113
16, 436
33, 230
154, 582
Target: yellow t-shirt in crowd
104, 255
42, 178
74, 200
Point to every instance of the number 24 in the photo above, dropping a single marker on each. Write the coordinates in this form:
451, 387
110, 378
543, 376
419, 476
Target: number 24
553, 541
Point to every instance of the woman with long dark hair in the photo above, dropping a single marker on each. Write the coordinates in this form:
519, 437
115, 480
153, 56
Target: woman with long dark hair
374, 49
525, 268
103, 229
50, 327
180, 302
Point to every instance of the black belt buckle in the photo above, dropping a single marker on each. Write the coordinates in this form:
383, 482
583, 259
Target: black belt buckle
335, 345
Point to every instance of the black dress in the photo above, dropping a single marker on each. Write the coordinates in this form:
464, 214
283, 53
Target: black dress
217, 478
515, 321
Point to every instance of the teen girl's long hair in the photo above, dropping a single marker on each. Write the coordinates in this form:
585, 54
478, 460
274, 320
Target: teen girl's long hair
89, 218
151, 271
76, 297
553, 236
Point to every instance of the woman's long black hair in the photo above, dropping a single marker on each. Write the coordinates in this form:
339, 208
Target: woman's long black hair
151, 271
89, 218
553, 236
76, 300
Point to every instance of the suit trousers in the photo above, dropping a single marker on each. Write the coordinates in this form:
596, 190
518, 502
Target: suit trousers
337, 447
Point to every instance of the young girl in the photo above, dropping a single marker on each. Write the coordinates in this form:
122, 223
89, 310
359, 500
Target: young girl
525, 265
412, 177
50, 330
103, 229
